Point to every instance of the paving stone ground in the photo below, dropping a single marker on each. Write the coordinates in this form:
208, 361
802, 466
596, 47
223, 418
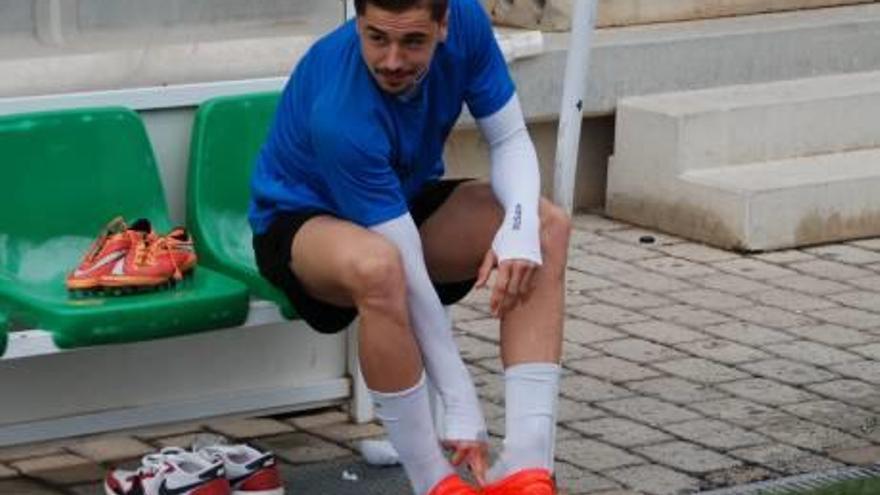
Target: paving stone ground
687, 368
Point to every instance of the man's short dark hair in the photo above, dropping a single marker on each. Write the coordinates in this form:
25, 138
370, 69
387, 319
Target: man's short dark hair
437, 7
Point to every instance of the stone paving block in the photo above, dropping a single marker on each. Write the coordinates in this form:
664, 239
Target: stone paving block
154, 432
606, 314
834, 335
613, 369
809, 435
770, 316
688, 316
25, 487
861, 299
740, 475
184, 441
634, 236
28, 451
343, 432
698, 252
580, 238
687, 457
578, 481
491, 387
585, 389
748, 333
661, 332
872, 244
868, 371
570, 410
855, 392
838, 415
638, 350
491, 365
722, 351
676, 390
647, 410
709, 299
473, 348
811, 352
784, 257
741, 412
460, 312
831, 270
110, 448
753, 269
653, 479
845, 254
593, 455
629, 298
595, 223
484, 328
871, 351
574, 352
598, 265
732, 284
652, 282
585, 332
302, 448
716, 434
810, 285
620, 432
790, 372
766, 391
790, 300
244, 428
862, 456
867, 283
700, 370
785, 459
576, 281
60, 469
6, 473
318, 419
619, 250
676, 267
848, 317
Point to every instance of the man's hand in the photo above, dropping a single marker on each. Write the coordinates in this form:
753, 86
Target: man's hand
513, 284
472, 452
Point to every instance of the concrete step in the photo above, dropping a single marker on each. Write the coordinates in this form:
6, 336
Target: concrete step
752, 167
797, 201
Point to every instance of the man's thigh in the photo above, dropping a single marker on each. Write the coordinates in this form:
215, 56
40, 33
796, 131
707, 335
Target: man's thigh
456, 237
323, 254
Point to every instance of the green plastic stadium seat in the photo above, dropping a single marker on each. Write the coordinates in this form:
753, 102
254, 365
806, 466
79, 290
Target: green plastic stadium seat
64, 175
226, 138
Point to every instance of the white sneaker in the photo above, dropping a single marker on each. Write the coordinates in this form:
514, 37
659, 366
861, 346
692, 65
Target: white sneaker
172, 471
248, 470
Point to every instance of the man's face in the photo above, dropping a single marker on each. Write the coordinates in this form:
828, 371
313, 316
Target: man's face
398, 46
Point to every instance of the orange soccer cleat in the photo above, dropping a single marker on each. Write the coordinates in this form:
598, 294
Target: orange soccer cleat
178, 251
525, 482
141, 268
107, 250
453, 485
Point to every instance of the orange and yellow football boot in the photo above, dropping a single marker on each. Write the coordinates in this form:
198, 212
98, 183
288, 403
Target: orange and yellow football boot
525, 482
178, 249
453, 485
106, 251
141, 268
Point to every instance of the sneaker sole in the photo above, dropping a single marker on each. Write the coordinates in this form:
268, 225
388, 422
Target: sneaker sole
274, 491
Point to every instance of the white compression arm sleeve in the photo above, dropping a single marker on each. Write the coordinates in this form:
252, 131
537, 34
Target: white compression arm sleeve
516, 182
433, 330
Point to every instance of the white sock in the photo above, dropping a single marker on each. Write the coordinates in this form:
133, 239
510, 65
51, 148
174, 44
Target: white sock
531, 392
406, 416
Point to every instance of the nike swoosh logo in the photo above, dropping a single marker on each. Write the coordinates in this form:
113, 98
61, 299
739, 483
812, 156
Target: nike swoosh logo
263, 462
164, 490
110, 258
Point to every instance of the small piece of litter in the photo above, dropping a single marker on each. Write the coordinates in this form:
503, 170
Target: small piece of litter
349, 476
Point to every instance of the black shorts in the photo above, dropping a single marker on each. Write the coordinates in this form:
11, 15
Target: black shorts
272, 250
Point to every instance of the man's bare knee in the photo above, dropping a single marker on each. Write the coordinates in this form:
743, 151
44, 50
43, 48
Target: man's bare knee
377, 277
555, 232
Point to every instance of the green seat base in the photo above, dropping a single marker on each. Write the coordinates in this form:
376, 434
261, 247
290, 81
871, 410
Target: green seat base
4, 327
202, 301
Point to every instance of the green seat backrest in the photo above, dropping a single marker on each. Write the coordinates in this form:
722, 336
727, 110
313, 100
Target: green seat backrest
64, 175
227, 136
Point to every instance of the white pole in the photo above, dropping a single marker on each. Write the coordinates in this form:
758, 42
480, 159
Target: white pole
573, 93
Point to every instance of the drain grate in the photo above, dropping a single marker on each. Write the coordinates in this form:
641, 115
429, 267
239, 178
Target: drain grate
801, 482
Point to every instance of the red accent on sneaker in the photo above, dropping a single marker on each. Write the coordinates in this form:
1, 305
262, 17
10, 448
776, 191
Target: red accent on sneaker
525, 482
263, 480
219, 486
453, 485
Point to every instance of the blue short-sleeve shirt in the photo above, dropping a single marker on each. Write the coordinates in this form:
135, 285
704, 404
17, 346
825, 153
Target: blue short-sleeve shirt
340, 144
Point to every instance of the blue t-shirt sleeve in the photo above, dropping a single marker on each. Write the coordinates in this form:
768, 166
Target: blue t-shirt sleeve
489, 84
355, 165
